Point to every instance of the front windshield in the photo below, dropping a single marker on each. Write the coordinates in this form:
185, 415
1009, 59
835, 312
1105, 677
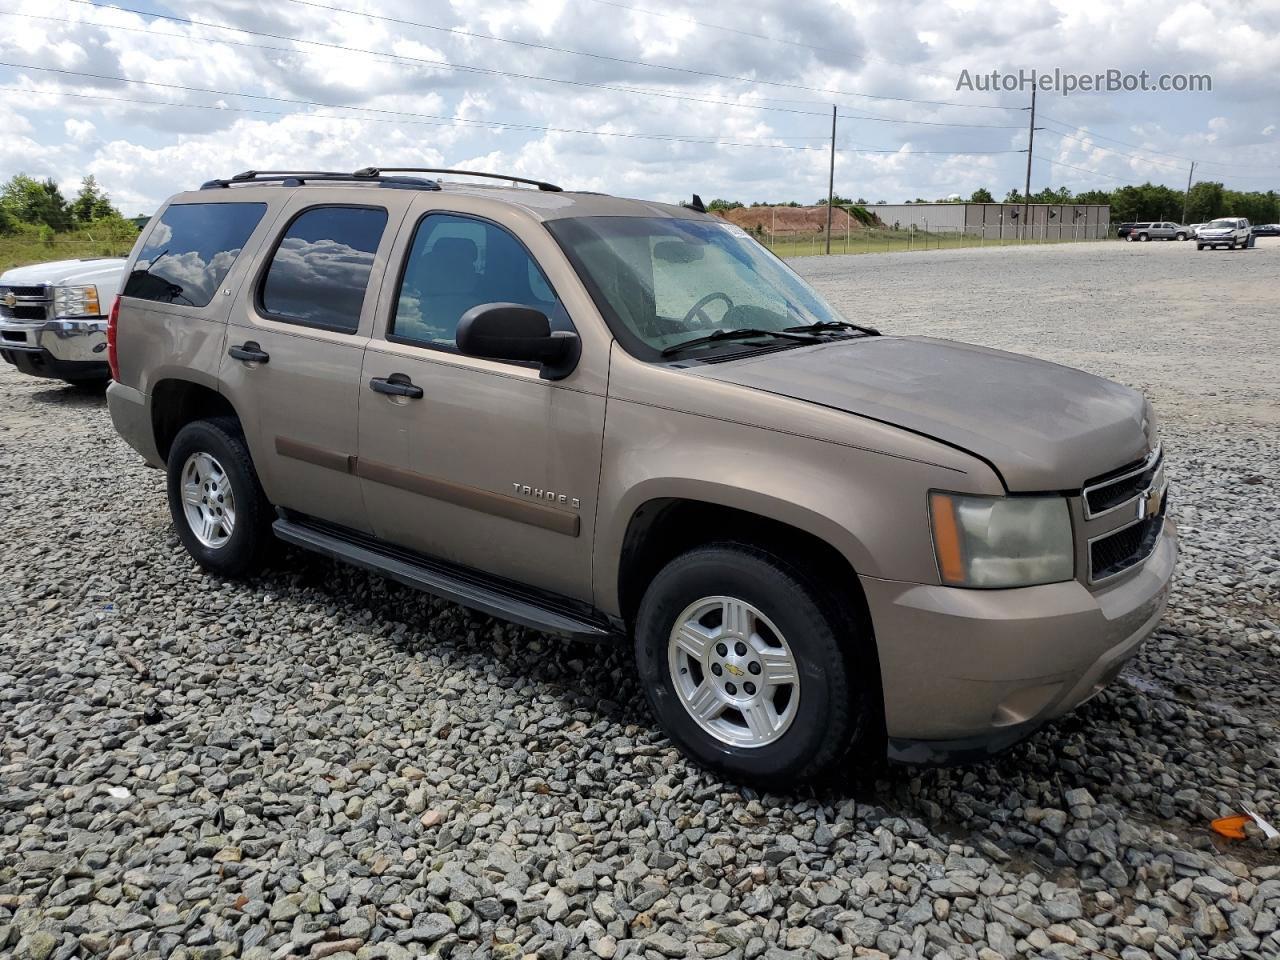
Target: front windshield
1222, 225
660, 281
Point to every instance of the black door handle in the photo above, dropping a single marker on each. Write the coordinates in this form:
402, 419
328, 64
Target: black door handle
396, 385
249, 352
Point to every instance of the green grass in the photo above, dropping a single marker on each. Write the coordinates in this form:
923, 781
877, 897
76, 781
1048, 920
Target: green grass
20, 250
889, 241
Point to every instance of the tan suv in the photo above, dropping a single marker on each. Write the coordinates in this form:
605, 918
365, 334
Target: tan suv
602, 418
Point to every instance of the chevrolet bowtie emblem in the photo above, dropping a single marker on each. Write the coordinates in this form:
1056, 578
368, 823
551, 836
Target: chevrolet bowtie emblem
736, 671
10, 299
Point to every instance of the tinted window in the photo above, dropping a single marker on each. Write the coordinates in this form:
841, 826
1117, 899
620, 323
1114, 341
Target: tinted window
321, 268
190, 250
456, 263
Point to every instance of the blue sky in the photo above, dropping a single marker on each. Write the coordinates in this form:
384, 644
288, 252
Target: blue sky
338, 84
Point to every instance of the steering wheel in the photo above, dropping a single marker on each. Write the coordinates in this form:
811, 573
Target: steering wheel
698, 308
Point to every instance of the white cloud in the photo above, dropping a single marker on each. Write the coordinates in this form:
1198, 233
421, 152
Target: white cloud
77, 129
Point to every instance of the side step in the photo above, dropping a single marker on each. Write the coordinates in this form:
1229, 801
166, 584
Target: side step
464, 587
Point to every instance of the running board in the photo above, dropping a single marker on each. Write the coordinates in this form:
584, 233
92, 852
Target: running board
465, 587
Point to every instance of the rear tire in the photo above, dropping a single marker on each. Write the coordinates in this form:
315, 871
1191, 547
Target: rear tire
1143, 237
719, 631
1199, 246
219, 510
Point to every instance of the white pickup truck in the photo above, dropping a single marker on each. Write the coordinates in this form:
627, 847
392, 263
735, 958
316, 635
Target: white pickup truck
53, 318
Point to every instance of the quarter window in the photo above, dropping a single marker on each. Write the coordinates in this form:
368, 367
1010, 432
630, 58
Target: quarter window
190, 250
320, 270
456, 263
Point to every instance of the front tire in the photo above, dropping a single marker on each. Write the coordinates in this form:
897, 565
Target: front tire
748, 669
1143, 237
219, 510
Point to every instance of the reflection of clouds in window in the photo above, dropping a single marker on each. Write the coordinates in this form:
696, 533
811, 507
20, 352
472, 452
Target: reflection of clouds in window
161, 235
195, 281
317, 280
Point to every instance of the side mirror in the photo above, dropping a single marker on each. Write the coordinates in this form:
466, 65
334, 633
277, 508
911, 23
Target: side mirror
511, 331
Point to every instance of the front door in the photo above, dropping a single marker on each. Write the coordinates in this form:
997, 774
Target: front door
477, 462
295, 347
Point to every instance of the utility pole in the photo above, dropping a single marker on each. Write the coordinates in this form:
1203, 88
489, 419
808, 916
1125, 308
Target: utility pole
1031, 142
1186, 197
831, 176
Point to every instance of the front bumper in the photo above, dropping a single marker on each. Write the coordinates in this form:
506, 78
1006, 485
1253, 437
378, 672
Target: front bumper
966, 673
66, 349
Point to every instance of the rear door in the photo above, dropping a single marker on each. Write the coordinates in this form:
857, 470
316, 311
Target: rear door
296, 343
492, 467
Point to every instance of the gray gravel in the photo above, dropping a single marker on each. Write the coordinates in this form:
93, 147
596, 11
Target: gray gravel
325, 764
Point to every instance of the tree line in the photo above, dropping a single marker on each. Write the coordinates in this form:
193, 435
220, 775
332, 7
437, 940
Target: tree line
29, 205
1147, 201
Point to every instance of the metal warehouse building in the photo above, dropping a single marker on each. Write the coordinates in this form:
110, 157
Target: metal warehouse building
996, 221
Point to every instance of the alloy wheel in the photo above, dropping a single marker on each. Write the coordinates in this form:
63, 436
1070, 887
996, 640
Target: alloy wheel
733, 672
207, 500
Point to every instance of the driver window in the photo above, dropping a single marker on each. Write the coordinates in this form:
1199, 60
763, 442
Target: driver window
456, 263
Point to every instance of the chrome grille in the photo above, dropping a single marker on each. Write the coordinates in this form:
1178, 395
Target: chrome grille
1113, 490
26, 304
37, 292
1121, 549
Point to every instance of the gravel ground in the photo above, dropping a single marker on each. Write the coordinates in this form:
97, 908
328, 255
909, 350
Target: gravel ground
322, 763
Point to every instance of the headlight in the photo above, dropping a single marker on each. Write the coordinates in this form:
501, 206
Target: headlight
76, 301
1001, 541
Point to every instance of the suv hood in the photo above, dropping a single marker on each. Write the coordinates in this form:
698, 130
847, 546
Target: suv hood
64, 271
1043, 426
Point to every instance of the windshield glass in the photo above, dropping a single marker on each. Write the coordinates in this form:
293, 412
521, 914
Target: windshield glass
660, 281
1222, 225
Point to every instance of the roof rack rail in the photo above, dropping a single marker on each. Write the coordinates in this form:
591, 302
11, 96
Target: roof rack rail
296, 178
540, 184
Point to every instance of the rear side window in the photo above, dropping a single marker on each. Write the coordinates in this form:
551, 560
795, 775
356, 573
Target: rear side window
189, 251
320, 270
456, 263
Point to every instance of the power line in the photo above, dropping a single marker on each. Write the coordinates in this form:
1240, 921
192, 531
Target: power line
399, 116
1119, 153
641, 63
933, 123
1095, 173
457, 31
1176, 166
1164, 153
377, 54
440, 64
441, 122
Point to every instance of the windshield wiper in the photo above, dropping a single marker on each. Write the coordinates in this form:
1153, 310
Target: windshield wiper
824, 325
742, 333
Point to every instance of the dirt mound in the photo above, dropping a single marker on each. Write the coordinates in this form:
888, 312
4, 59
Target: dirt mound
783, 221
